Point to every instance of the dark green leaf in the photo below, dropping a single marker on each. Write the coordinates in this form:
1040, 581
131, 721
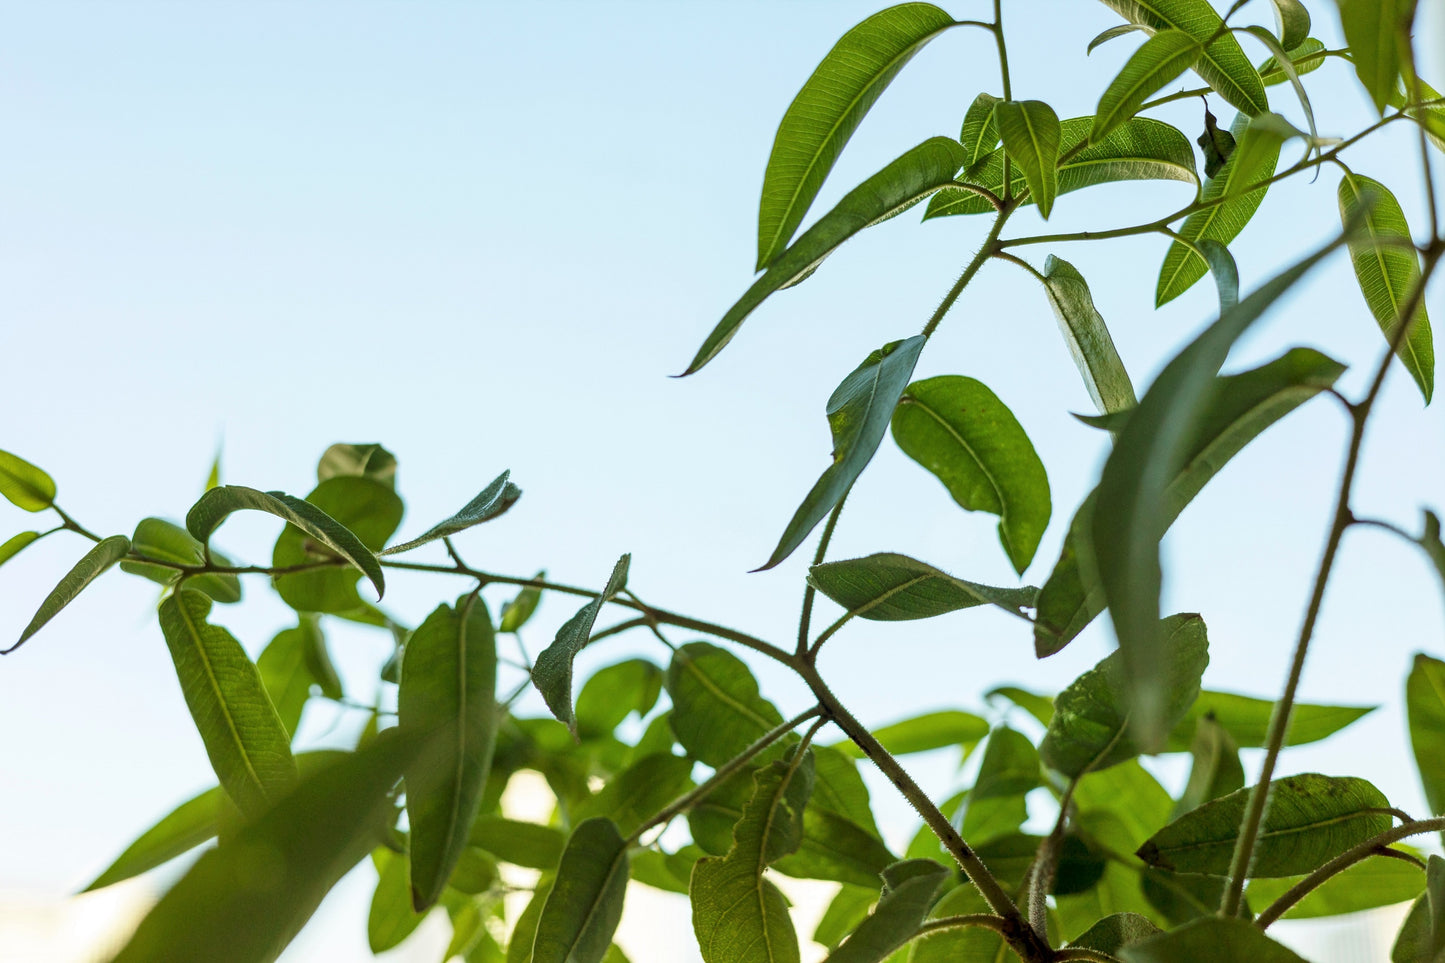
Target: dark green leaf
1217, 770
1088, 337
858, 413
640, 791
1162, 57
490, 502
552, 673
654, 868
1375, 30
888, 587
91, 566
518, 843
968, 944
1214, 939
25, 485
1309, 55
367, 508
1311, 819
516, 612
363, 460
448, 685
1112, 933
829, 108
1091, 726
980, 134
158, 539
1422, 937
519, 945
995, 805
218, 503
959, 430
716, 709
15, 544
585, 904
1381, 881
908, 891
1388, 272
932, 730
1294, 22
1425, 706
1247, 720
614, 693
904, 182
839, 787
1031, 135
391, 918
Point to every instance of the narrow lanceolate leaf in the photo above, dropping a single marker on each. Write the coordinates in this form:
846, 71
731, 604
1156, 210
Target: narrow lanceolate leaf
1425, 706
890, 588
932, 730
184, 828
1307, 56
16, 544
582, 911
961, 432
979, 135
1162, 57
156, 538
1294, 22
1122, 30
448, 686
91, 566
1225, 271
490, 502
1246, 719
218, 503
908, 891
24, 485
829, 108
1214, 939
1232, 204
289, 858
904, 182
1223, 65
518, 843
1031, 135
1374, 30
716, 709
1311, 819
1131, 512
1088, 337
248, 746
552, 674
1380, 881
738, 915
1090, 728
1139, 149
1388, 270
858, 413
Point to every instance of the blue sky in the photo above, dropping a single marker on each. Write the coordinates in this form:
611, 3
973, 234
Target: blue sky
484, 235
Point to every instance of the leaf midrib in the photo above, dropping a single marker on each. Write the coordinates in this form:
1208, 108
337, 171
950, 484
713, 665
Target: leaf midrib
998, 491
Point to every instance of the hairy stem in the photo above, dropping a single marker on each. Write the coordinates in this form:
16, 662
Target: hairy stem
984, 253
809, 593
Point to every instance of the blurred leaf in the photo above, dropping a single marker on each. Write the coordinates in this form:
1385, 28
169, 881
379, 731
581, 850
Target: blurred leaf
15, 544
24, 485
1123, 29
829, 108
1382, 881
1425, 707
639, 792
848, 908
979, 135
516, 612
1225, 271
367, 508
1294, 22
213, 477
184, 828
1422, 937
490, 502
967, 944
1374, 30
518, 843
614, 693
1041, 707
995, 805
552, 673
1308, 55
1387, 272
716, 709
1031, 135
858, 413
1311, 819
358, 461
390, 918
1214, 939
1217, 770
448, 685
1160, 59
159, 539
889, 587
1247, 720
652, 868
932, 730
585, 904
91, 566
908, 891
519, 944
285, 674
1087, 337
1112, 933
904, 182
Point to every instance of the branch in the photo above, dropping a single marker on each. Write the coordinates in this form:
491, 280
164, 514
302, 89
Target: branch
990, 245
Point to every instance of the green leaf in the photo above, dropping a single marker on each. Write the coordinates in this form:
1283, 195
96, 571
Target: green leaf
1217, 770
1139, 149
1113, 933
1041, 707
1294, 22
1223, 65
908, 891
285, 674
367, 508
738, 915
1225, 271
1307, 56
995, 805
614, 693
969, 944
1153, 66
247, 744
1131, 512
217, 504
357, 461
1031, 135
1087, 337
91, 566
904, 182
1425, 707
1122, 30
213, 477
159, 539
1214, 939
182, 829
518, 843
858, 413
836, 848
640, 791
829, 108
845, 912
1247, 720
24, 485
1374, 30
244, 901
1365, 885
932, 730
519, 945
1422, 937
959, 430
979, 135
516, 612
391, 918
888, 587
15, 544
1311, 819
1091, 726
448, 685
716, 709
490, 502
585, 905
1253, 161
1388, 272
552, 673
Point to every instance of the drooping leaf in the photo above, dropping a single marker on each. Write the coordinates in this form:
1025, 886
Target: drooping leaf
1217, 770
1090, 728
858, 414
516, 612
829, 108
448, 686
1113, 933
1030, 132
1087, 337
1223, 65
979, 135
244, 901
1422, 937
1425, 707
391, 918
1122, 30
1307, 56
716, 709
1232, 206
888, 587
552, 673
217, 504
1374, 30
1294, 22
1215, 939
490, 502
614, 693
285, 674
370, 510
932, 730
359, 461
904, 182
1311, 819
92, 565
159, 539
908, 891
585, 905
1225, 271
519, 945
1154, 65
961, 432
995, 806
1388, 272
1246, 719
1379, 881
24, 485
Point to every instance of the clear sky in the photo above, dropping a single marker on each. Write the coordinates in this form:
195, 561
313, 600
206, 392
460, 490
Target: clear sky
484, 235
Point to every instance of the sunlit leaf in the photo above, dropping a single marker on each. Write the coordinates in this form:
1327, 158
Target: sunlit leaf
640, 791
1308, 56
1247, 720
1294, 22
1030, 132
363, 461
847, 910
552, 673
1374, 30
614, 693
24, 485
1379, 881
516, 612
490, 502
908, 891
1113, 33
390, 918
159, 539
367, 508
1087, 337
91, 566
932, 730
15, 544
518, 843
1155, 64
888, 587
1425, 706
979, 135
585, 905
